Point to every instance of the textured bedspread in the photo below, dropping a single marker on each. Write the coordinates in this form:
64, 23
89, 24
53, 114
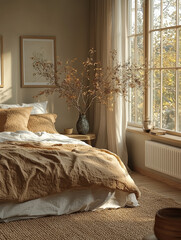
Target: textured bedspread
32, 170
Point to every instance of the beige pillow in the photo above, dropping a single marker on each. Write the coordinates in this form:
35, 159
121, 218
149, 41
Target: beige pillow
42, 123
14, 119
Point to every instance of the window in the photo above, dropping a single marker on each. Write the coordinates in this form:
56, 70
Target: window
164, 50
135, 54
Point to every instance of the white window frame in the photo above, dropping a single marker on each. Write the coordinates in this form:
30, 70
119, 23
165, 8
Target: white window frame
148, 96
134, 36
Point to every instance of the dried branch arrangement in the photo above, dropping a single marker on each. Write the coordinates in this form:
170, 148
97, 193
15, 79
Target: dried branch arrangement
82, 83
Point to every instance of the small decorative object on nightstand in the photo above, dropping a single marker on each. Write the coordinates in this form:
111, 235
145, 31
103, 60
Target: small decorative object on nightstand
68, 130
87, 137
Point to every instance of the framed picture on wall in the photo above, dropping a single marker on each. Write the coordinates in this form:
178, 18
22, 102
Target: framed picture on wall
41, 47
1, 63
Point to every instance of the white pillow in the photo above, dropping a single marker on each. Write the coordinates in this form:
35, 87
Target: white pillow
38, 107
6, 106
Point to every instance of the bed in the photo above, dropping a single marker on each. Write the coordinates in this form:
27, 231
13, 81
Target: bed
46, 173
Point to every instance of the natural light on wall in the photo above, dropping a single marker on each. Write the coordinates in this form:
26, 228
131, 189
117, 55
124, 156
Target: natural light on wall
6, 92
163, 36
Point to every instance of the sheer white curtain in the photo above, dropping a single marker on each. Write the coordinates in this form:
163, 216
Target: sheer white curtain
108, 31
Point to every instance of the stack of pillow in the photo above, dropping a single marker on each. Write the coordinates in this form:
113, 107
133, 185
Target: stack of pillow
27, 117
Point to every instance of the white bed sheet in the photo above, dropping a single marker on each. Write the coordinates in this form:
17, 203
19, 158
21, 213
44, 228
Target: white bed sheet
42, 137
70, 201
64, 203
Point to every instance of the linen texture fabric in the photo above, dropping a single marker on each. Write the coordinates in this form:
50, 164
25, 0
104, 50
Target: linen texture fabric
42, 123
14, 119
32, 170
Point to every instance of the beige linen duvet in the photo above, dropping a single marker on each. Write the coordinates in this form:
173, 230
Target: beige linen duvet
30, 170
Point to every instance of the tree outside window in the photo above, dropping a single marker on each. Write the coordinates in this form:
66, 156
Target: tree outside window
164, 67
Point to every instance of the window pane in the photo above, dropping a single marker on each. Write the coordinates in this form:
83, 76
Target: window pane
131, 48
179, 48
140, 50
179, 12
139, 16
156, 48
139, 99
136, 105
169, 13
139, 105
179, 103
156, 14
133, 116
168, 100
131, 7
156, 98
169, 47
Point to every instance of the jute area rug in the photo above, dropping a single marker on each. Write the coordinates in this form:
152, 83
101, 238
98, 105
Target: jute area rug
124, 223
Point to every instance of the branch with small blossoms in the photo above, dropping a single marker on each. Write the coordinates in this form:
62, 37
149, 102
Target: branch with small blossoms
80, 87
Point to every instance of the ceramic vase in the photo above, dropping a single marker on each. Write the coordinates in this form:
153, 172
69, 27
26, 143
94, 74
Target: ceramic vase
82, 124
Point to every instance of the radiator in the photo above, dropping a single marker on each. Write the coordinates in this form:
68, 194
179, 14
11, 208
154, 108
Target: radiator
163, 158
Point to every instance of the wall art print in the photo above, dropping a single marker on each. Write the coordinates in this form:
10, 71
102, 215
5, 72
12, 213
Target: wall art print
1, 63
42, 47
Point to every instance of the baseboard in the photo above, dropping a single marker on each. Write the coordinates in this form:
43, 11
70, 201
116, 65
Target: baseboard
159, 177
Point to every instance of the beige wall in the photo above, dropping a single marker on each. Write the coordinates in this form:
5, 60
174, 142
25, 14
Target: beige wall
68, 20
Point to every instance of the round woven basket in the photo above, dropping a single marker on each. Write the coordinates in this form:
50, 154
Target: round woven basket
168, 224
68, 130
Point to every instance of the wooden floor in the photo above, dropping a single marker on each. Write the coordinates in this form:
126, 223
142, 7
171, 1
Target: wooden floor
157, 186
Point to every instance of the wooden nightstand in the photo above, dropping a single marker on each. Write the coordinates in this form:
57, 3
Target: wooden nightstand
88, 137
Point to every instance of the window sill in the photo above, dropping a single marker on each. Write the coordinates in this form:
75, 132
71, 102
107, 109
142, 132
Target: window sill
167, 138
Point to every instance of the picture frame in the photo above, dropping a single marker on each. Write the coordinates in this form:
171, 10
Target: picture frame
1, 63
40, 46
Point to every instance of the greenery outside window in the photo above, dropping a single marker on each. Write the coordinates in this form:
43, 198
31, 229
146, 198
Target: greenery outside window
162, 45
135, 54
